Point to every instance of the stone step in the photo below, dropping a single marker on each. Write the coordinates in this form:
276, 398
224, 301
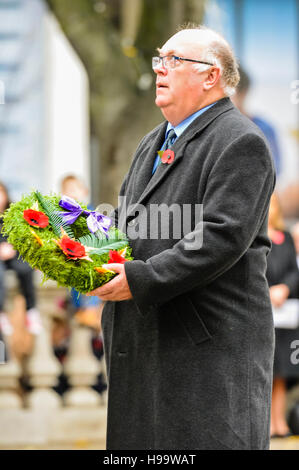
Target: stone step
25, 427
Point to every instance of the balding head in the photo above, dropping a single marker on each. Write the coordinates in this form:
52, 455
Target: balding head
184, 84
213, 48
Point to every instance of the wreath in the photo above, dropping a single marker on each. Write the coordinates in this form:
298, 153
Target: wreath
69, 246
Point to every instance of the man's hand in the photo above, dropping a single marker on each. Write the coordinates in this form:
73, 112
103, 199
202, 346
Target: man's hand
116, 289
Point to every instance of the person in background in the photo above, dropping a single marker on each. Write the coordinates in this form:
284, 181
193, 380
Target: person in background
239, 100
87, 310
73, 187
295, 235
283, 279
9, 260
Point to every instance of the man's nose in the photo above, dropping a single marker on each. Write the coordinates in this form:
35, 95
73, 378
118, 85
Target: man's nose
160, 69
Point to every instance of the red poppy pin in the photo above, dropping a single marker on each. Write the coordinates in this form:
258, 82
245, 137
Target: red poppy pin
278, 237
167, 156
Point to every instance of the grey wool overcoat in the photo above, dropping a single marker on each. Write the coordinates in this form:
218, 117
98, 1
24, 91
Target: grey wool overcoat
189, 359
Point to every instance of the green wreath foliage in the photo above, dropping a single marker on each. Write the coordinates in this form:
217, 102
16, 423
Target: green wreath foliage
48, 257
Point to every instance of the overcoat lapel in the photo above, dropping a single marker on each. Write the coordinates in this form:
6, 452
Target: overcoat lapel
146, 161
147, 182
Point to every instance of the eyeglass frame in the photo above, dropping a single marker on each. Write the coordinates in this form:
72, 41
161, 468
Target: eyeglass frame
177, 58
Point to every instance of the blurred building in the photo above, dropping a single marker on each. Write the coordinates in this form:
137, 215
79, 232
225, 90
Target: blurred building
265, 37
44, 134
44, 130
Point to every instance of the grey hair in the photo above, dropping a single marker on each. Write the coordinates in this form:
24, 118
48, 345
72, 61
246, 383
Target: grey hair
218, 52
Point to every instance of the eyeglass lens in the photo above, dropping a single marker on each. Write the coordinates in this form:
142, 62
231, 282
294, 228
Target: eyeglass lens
167, 61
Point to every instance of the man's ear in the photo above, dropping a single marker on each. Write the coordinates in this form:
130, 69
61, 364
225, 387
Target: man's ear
212, 78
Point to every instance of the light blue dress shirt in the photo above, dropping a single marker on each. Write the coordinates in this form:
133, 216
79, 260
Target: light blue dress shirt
180, 128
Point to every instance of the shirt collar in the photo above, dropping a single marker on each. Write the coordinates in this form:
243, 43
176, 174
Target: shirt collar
179, 129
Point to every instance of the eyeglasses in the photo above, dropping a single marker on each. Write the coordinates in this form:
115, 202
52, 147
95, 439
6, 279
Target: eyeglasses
170, 61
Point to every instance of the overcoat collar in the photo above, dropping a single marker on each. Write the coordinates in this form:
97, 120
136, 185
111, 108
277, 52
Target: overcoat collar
146, 183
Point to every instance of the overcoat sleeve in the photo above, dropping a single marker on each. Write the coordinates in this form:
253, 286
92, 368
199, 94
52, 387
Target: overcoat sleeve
235, 205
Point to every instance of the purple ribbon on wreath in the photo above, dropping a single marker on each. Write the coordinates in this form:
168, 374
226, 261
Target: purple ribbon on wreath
95, 221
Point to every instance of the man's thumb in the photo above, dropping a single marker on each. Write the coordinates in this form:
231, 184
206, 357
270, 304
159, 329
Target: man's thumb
116, 267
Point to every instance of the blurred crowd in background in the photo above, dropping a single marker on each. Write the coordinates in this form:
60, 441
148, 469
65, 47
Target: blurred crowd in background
19, 326
58, 119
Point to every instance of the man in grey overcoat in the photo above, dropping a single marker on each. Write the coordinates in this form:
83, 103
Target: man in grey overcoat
187, 325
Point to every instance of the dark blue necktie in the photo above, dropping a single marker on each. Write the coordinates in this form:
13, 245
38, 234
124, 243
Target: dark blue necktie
171, 136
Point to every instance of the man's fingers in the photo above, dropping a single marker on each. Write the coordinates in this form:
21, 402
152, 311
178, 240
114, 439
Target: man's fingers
116, 289
116, 267
105, 289
99, 291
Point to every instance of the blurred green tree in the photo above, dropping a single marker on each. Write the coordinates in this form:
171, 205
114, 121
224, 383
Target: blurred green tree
115, 40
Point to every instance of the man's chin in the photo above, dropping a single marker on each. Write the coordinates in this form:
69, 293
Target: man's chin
161, 102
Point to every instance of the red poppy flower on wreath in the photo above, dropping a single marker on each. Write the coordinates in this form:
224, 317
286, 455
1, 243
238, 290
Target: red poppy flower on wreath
167, 156
36, 218
115, 257
72, 249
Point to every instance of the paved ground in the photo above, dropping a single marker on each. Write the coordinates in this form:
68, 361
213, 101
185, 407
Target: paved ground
76, 445
290, 443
